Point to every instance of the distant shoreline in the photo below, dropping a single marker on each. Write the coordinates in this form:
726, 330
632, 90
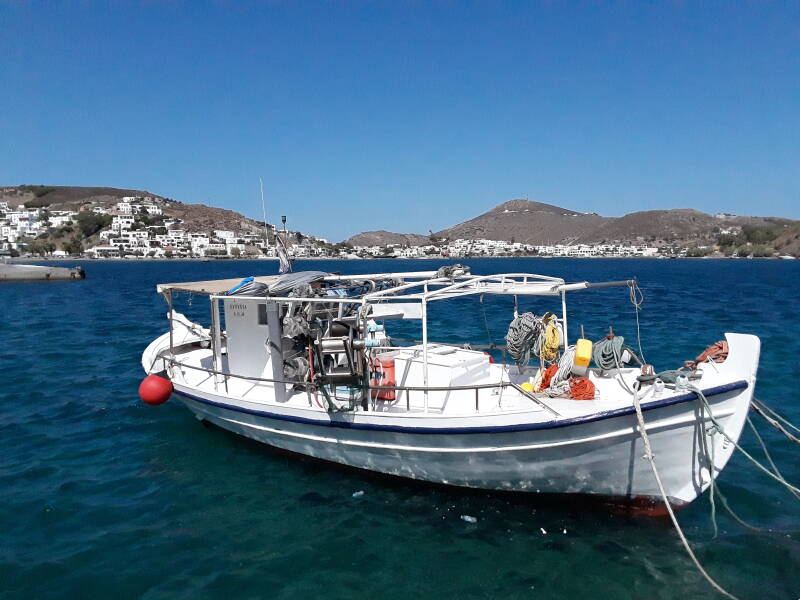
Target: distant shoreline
61, 259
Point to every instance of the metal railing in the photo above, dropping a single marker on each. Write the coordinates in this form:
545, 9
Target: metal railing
311, 386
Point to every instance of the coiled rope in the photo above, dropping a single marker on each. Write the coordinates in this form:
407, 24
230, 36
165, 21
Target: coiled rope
529, 333
522, 334
548, 342
607, 353
581, 388
559, 382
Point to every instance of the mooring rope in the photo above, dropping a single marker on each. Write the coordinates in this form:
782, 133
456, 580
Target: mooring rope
767, 454
651, 458
772, 412
741, 521
637, 299
716, 491
751, 458
761, 409
712, 467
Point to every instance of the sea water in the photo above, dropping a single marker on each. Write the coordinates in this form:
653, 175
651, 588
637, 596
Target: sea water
104, 497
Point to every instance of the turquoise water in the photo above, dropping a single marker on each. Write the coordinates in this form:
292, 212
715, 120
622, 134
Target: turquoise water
105, 497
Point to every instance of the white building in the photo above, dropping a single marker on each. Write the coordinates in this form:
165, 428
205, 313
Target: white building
61, 218
150, 209
103, 250
122, 222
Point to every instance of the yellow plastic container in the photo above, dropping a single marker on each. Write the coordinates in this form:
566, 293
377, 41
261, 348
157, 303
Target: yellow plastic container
583, 353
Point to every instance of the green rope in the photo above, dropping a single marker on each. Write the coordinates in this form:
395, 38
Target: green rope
607, 353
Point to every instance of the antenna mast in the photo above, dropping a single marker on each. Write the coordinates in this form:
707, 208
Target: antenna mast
264, 212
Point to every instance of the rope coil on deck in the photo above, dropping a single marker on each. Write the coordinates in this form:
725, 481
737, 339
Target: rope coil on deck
529, 333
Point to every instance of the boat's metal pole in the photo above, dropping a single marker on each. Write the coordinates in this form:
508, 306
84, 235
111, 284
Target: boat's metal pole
169, 303
216, 339
213, 328
564, 317
425, 345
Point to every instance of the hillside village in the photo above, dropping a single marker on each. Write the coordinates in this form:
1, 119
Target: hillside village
135, 227
139, 227
132, 227
104, 223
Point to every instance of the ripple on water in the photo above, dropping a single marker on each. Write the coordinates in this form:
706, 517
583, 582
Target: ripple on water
102, 493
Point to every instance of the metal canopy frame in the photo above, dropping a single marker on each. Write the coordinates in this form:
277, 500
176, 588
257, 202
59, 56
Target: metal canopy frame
432, 288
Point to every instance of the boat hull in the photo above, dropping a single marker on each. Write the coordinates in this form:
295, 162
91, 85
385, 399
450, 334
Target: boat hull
600, 456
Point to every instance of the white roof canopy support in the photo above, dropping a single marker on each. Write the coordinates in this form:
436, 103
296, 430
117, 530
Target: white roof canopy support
521, 284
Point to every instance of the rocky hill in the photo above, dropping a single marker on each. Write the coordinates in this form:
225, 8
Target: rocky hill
385, 238
537, 223
526, 222
788, 241
682, 226
199, 217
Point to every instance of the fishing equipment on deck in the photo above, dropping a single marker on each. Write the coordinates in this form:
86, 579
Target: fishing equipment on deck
583, 356
383, 375
559, 384
549, 341
670, 376
522, 334
530, 333
581, 388
248, 287
611, 353
717, 352
452, 271
547, 376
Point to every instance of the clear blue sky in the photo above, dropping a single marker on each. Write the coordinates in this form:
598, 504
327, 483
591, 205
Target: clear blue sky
407, 115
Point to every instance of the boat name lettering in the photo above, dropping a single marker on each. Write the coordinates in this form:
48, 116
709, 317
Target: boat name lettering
238, 310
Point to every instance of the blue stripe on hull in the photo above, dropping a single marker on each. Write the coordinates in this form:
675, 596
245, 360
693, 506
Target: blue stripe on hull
618, 412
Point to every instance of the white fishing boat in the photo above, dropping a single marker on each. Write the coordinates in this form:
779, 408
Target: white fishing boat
305, 362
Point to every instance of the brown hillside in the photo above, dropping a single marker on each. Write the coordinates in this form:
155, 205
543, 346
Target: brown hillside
67, 197
384, 238
527, 222
200, 218
788, 242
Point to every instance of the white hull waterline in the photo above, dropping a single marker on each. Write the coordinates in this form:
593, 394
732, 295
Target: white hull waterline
454, 417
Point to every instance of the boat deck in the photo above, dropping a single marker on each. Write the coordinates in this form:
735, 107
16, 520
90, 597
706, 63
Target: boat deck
489, 390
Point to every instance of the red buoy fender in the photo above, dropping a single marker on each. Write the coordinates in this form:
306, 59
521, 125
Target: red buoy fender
155, 390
